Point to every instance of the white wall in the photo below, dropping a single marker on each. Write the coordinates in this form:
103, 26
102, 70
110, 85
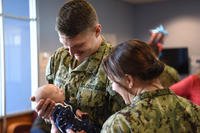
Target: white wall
182, 20
116, 17
47, 12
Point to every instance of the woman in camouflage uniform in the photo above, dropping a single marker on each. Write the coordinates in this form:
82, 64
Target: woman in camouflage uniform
134, 70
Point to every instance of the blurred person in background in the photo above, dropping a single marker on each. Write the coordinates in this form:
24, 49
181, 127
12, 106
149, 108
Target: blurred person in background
156, 42
189, 88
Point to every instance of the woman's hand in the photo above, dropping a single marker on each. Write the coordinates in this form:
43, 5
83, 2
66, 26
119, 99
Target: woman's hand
44, 107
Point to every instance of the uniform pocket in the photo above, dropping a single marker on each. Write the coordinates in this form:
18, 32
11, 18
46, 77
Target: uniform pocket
91, 97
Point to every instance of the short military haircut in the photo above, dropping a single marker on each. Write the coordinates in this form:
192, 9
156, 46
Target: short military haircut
75, 17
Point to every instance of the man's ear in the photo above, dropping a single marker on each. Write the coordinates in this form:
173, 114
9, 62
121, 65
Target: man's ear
98, 30
129, 80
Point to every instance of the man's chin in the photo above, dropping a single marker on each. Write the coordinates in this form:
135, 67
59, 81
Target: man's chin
78, 57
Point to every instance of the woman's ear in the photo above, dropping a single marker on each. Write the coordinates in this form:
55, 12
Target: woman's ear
98, 30
129, 80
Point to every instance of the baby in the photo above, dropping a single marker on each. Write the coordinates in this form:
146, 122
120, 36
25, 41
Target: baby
63, 116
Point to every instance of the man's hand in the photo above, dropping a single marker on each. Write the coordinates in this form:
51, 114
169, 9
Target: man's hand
53, 126
71, 131
81, 114
44, 107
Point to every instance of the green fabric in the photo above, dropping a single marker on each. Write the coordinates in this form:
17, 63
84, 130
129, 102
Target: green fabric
169, 76
86, 85
158, 111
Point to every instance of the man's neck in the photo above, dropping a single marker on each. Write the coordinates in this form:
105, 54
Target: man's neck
94, 50
98, 43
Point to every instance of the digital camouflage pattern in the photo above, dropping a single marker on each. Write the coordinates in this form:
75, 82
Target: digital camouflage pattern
86, 85
160, 111
169, 76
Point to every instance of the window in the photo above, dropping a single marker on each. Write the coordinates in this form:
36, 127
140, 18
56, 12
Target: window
16, 7
18, 55
1, 70
1, 64
17, 64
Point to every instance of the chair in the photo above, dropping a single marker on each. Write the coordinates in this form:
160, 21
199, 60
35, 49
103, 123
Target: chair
20, 127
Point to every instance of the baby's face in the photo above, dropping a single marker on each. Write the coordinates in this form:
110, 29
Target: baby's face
57, 94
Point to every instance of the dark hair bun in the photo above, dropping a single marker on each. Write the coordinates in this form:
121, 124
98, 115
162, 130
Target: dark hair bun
153, 71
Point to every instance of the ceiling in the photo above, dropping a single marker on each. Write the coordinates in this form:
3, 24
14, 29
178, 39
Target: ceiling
142, 1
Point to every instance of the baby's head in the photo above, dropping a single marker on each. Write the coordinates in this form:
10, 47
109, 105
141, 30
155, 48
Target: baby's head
49, 91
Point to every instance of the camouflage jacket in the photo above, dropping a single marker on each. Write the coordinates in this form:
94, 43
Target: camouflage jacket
169, 76
86, 86
158, 111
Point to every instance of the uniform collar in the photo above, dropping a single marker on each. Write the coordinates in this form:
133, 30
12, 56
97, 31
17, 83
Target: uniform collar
150, 95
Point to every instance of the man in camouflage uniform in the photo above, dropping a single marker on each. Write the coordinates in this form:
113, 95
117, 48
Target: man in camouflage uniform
169, 76
77, 66
85, 85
